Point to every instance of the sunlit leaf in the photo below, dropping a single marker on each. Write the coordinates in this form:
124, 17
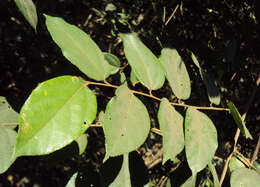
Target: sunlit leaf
123, 178
113, 61
72, 181
235, 163
200, 139
214, 174
8, 117
7, 143
56, 113
27, 8
171, 125
143, 62
126, 123
82, 142
133, 78
238, 119
244, 177
78, 48
210, 83
176, 73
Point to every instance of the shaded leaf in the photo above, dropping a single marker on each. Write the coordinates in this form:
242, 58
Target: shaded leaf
113, 61
78, 48
56, 113
143, 62
191, 182
171, 125
27, 8
7, 143
133, 78
176, 73
214, 174
235, 163
200, 139
82, 142
210, 83
72, 181
8, 117
238, 119
123, 178
126, 123
244, 177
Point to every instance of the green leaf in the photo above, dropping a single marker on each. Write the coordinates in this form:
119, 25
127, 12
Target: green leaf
238, 119
244, 177
200, 139
143, 62
126, 123
210, 83
7, 143
176, 73
191, 182
8, 116
27, 8
78, 48
214, 174
171, 125
113, 61
72, 181
235, 163
123, 178
82, 142
133, 78
56, 113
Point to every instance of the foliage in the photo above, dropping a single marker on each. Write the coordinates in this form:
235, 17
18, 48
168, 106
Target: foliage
60, 110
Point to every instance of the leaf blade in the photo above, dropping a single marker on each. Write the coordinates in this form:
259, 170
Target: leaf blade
244, 177
8, 115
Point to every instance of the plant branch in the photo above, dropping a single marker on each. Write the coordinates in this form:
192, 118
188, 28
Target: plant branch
8, 124
156, 98
171, 16
254, 157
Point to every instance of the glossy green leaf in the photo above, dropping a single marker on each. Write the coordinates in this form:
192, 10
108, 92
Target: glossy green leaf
123, 178
200, 139
7, 143
82, 142
78, 48
210, 83
190, 182
176, 73
8, 117
133, 78
126, 123
214, 174
171, 125
238, 119
27, 8
235, 163
244, 177
143, 62
56, 113
72, 181
113, 61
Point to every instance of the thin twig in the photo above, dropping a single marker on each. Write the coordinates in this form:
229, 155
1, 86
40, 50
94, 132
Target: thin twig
254, 157
169, 19
156, 98
8, 124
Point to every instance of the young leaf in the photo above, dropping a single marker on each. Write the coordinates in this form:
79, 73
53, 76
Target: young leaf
238, 119
27, 8
78, 48
244, 177
56, 113
143, 62
214, 174
123, 178
171, 125
126, 123
210, 83
82, 142
7, 143
176, 73
72, 181
8, 115
113, 61
200, 139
